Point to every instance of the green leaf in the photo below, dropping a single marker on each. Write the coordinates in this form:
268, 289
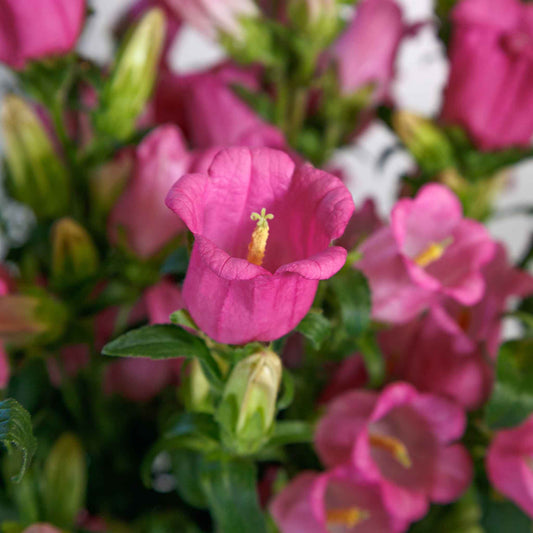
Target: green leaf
16, 430
187, 431
231, 490
164, 341
315, 327
500, 515
287, 390
373, 358
353, 296
186, 466
291, 432
512, 400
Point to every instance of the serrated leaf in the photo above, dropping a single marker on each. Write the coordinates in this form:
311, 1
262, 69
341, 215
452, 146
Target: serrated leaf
315, 327
16, 430
231, 490
512, 400
164, 341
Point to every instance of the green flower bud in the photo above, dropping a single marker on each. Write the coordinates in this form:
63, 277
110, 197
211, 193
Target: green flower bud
65, 481
132, 77
316, 18
37, 176
30, 318
426, 142
75, 257
248, 407
197, 390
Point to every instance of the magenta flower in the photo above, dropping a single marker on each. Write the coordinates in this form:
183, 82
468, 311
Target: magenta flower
509, 461
482, 323
402, 440
206, 107
35, 30
366, 52
245, 284
140, 213
489, 90
429, 250
213, 16
435, 355
339, 500
141, 379
364, 222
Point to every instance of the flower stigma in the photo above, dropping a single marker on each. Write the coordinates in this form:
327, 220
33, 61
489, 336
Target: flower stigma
392, 445
346, 516
432, 253
258, 242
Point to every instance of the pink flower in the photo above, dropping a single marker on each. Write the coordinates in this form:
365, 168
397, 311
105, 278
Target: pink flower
212, 16
490, 87
350, 374
245, 284
35, 30
429, 250
73, 358
482, 323
435, 355
338, 500
209, 111
41, 528
402, 440
366, 52
162, 158
364, 222
509, 464
140, 379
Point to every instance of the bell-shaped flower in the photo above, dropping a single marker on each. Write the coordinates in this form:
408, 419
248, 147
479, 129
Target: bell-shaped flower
489, 89
435, 355
402, 440
140, 213
262, 228
366, 52
209, 111
336, 501
35, 30
428, 251
509, 464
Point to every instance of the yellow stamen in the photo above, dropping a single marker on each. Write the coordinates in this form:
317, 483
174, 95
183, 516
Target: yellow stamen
257, 246
432, 253
393, 446
348, 516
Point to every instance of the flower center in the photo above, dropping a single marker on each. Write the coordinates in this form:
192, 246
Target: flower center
392, 445
432, 253
258, 242
346, 516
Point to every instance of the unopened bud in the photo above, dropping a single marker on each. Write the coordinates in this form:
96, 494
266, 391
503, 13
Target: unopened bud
37, 177
426, 142
132, 77
75, 257
65, 481
248, 406
30, 318
317, 18
197, 390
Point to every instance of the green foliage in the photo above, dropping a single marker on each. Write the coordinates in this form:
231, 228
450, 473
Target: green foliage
164, 341
16, 431
512, 400
315, 327
230, 489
